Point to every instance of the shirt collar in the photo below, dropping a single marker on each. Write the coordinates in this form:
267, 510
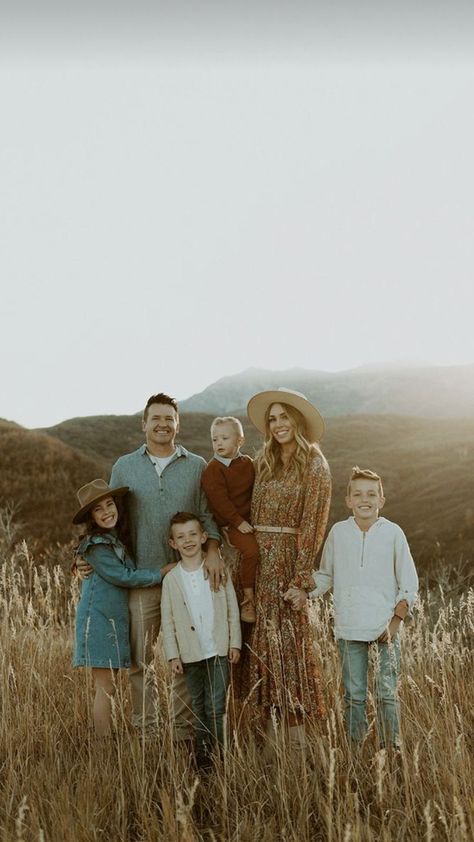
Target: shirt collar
198, 569
180, 451
375, 525
227, 460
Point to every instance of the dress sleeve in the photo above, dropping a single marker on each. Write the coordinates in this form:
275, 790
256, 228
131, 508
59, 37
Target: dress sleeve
324, 577
256, 499
313, 522
107, 565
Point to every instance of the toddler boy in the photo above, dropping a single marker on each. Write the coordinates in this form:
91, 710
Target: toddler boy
201, 632
367, 561
228, 482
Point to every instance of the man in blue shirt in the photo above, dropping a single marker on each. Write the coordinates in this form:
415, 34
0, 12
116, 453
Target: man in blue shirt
163, 478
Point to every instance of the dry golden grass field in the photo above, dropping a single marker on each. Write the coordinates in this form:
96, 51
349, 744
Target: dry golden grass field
58, 782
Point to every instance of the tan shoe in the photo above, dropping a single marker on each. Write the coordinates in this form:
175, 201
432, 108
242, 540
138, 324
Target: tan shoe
247, 610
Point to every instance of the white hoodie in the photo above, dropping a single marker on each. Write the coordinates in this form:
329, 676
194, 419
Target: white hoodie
370, 573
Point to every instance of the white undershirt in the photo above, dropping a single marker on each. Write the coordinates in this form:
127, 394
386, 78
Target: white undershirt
160, 462
199, 602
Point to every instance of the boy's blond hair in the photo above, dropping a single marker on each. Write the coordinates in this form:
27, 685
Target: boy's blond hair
228, 419
364, 473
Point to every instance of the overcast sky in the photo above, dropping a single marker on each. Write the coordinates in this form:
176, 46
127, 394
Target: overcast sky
187, 192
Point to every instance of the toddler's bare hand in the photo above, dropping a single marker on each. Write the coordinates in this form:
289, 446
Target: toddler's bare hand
245, 527
176, 666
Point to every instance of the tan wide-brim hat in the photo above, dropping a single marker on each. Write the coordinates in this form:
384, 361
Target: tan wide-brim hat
91, 493
258, 405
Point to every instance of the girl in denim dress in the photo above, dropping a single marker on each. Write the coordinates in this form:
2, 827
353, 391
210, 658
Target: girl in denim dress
102, 635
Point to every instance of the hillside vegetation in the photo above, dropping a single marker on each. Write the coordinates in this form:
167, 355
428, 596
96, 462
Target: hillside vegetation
38, 479
427, 467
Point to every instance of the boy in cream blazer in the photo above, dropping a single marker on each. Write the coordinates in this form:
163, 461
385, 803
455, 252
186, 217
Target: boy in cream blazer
201, 632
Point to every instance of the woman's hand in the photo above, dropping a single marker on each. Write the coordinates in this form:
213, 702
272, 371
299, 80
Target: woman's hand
297, 598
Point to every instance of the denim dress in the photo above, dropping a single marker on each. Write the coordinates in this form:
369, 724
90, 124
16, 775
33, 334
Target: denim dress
102, 631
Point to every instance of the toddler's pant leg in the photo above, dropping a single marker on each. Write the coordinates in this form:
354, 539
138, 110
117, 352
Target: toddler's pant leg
246, 543
217, 681
388, 708
355, 660
145, 619
195, 675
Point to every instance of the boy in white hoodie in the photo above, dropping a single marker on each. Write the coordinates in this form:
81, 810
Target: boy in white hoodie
201, 632
367, 561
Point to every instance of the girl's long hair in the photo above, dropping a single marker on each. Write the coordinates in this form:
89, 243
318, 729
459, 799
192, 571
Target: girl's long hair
268, 463
89, 526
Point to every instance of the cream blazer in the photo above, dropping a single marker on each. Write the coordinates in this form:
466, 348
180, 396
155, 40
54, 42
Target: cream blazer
180, 639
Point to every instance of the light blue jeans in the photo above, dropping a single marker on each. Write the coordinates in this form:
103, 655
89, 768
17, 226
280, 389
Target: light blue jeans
355, 664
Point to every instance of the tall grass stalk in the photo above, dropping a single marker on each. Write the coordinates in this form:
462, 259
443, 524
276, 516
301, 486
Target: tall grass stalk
60, 782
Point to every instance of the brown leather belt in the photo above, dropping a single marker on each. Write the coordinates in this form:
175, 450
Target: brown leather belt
287, 530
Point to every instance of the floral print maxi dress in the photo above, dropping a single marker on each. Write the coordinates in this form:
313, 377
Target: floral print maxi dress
281, 669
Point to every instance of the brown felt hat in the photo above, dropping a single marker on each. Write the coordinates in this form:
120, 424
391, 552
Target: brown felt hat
258, 405
91, 493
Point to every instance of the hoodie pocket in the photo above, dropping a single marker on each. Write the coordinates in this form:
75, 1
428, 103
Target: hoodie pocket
361, 607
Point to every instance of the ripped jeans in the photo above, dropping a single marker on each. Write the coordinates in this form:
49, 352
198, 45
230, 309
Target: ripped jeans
355, 664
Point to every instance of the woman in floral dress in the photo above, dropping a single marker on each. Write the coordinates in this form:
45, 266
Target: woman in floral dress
290, 506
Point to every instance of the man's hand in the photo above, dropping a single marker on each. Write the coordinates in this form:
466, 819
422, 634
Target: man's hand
83, 568
234, 656
245, 527
176, 665
297, 598
214, 568
167, 568
390, 631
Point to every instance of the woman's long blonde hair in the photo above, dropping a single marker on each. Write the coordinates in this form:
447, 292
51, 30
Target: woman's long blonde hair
268, 462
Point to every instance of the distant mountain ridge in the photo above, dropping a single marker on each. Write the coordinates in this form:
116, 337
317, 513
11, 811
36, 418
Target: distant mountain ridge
415, 390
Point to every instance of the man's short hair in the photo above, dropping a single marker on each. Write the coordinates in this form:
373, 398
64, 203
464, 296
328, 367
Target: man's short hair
160, 398
364, 473
183, 517
228, 419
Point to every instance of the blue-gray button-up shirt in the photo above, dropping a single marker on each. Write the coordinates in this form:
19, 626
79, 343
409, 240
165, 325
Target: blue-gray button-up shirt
153, 500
